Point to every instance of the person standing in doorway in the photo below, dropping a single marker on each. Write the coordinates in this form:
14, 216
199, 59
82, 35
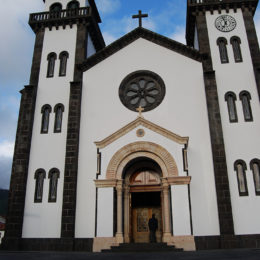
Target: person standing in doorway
153, 226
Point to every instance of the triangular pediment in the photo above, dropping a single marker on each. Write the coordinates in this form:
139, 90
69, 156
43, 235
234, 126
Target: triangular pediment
140, 32
140, 121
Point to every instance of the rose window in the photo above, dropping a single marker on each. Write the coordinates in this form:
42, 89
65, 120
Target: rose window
142, 88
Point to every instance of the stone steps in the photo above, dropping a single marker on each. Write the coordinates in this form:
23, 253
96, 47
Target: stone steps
142, 247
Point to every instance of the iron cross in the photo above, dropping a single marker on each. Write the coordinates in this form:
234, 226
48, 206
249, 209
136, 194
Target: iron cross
140, 16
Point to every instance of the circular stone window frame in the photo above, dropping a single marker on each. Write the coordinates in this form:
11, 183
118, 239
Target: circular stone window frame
123, 89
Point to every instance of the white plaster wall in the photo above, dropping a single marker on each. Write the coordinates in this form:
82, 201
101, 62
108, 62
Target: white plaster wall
241, 139
180, 210
91, 49
64, 3
183, 111
48, 150
105, 212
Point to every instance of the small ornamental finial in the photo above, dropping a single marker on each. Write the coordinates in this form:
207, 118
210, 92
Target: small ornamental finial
140, 110
140, 16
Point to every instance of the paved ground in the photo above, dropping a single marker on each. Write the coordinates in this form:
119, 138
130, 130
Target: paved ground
244, 254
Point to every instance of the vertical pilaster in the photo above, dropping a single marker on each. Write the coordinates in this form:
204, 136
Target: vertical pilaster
17, 192
166, 208
216, 132
253, 45
71, 162
119, 233
126, 214
72, 145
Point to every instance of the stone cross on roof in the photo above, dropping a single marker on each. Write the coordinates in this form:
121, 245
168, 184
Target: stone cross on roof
140, 16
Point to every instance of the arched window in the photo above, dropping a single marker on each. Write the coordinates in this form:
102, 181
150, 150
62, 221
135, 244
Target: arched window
222, 44
54, 175
245, 98
72, 8
235, 41
73, 5
63, 63
56, 7
240, 168
51, 64
39, 177
255, 167
59, 109
46, 110
55, 10
231, 98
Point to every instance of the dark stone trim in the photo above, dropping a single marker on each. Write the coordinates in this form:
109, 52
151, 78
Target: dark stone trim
216, 132
253, 44
140, 32
17, 192
219, 156
227, 242
81, 51
71, 162
193, 8
37, 56
72, 145
48, 244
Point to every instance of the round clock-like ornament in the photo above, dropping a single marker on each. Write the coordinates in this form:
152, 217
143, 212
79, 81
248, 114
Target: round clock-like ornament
225, 23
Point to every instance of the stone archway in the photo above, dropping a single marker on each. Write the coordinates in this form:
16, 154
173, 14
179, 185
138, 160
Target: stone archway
137, 149
115, 172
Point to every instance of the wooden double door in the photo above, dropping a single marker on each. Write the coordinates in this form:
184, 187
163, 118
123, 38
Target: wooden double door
140, 219
145, 200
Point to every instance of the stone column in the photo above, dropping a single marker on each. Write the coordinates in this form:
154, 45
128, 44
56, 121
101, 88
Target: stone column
126, 217
119, 233
166, 207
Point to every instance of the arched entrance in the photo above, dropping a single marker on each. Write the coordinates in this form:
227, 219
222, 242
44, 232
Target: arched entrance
142, 178
142, 174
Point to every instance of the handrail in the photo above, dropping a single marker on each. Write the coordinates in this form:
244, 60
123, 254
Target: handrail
63, 14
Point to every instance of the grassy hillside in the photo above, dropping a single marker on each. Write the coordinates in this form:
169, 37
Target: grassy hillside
3, 202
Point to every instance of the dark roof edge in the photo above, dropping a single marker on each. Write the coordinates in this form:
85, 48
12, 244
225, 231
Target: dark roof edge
140, 32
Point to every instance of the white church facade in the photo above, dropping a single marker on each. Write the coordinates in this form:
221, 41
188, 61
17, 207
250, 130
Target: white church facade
109, 135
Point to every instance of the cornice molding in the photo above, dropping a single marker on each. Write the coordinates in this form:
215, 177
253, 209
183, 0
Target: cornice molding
145, 123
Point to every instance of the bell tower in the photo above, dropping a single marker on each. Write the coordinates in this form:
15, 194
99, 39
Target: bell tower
224, 33
67, 33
